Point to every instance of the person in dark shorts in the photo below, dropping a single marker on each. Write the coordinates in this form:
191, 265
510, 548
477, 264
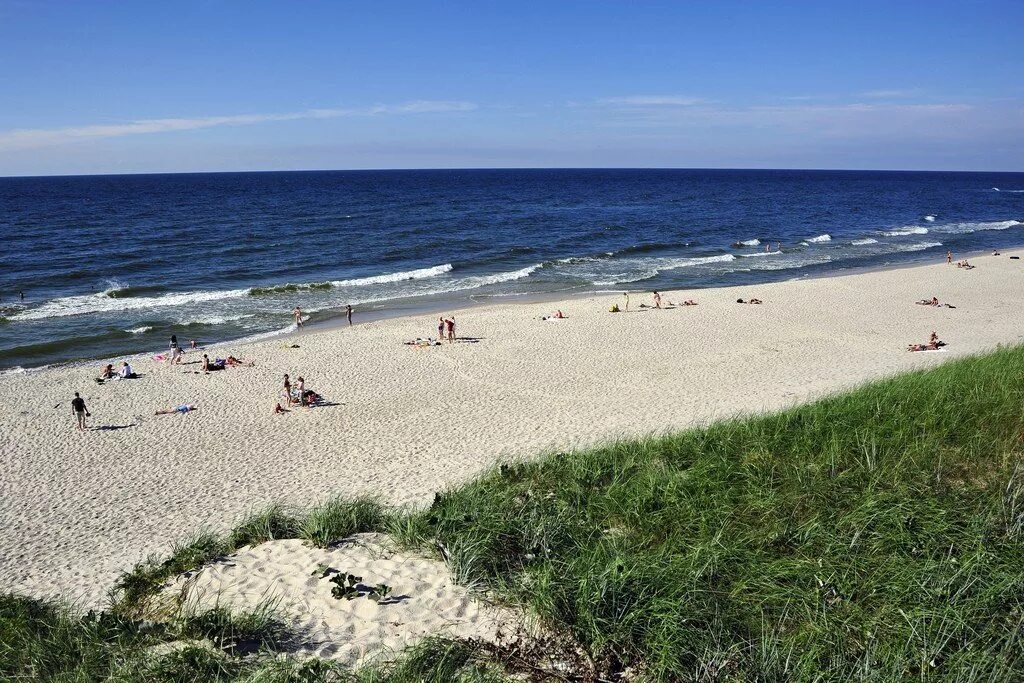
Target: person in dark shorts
348, 312
80, 411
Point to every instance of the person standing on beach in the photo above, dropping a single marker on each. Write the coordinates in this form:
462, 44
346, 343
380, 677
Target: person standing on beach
450, 326
657, 300
626, 294
287, 391
298, 317
348, 313
80, 411
175, 350
440, 329
949, 257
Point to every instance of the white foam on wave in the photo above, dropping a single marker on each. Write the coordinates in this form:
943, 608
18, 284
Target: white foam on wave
763, 253
418, 274
750, 243
908, 230
102, 303
930, 218
139, 330
920, 246
820, 238
969, 227
862, 242
484, 280
644, 269
219, 319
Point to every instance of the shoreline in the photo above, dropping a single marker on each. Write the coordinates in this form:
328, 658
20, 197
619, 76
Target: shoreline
402, 423
418, 306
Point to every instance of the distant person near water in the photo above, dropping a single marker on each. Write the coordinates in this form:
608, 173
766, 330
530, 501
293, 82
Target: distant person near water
626, 294
657, 300
949, 257
298, 317
348, 313
449, 326
80, 411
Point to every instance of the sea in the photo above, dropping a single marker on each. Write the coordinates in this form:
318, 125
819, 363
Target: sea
114, 265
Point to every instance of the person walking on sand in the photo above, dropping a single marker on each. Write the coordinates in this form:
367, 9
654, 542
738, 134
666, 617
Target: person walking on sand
626, 294
348, 313
949, 257
80, 411
657, 300
297, 313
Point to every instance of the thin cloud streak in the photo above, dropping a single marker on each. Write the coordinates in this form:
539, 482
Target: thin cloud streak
653, 101
37, 137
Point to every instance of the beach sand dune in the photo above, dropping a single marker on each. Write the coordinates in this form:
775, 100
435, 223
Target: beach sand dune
77, 509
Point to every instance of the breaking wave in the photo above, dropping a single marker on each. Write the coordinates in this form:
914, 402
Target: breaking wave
819, 239
909, 230
866, 240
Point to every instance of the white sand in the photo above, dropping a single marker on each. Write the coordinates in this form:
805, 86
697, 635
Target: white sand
77, 509
424, 600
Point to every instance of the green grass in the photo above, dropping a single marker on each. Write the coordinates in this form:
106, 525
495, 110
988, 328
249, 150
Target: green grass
876, 535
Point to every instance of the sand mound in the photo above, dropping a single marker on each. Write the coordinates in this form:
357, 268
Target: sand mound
424, 598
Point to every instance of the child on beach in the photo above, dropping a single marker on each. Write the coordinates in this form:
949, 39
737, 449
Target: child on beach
79, 410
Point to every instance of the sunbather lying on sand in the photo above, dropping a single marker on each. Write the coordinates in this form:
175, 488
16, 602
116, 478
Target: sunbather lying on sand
557, 316
187, 408
934, 302
421, 341
752, 301
933, 344
238, 362
689, 302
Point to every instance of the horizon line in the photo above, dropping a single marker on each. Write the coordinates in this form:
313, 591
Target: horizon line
504, 168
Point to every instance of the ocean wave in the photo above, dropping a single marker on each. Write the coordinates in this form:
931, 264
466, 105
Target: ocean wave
418, 274
750, 243
647, 268
484, 280
102, 303
920, 246
930, 218
909, 230
763, 253
218, 319
289, 288
139, 330
969, 227
866, 240
820, 238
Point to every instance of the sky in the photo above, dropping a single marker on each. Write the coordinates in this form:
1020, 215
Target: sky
109, 87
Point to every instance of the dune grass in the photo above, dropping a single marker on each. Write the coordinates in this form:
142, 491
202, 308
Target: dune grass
877, 535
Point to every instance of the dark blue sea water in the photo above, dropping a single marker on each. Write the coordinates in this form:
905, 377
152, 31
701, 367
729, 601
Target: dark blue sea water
115, 264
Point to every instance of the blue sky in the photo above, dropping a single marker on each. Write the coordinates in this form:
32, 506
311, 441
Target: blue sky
105, 87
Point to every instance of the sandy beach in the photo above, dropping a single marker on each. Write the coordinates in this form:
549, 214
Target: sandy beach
76, 509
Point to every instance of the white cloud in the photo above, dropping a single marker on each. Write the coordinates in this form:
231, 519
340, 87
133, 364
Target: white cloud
36, 137
653, 101
889, 94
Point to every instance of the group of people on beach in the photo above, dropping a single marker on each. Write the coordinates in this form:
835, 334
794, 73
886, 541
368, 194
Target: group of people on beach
446, 329
296, 394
